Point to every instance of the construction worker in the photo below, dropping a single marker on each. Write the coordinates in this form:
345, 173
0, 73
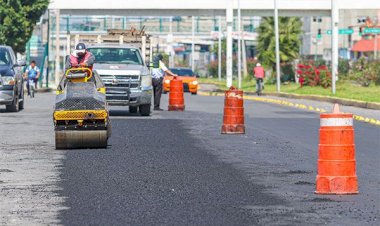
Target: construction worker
80, 57
259, 73
158, 73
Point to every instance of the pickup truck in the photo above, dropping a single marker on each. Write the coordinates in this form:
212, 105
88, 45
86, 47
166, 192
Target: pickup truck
11, 80
125, 75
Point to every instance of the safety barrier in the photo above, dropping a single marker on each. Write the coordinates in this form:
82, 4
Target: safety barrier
176, 100
233, 120
336, 161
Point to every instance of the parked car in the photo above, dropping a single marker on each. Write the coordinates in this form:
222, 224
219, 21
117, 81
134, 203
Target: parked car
189, 79
11, 80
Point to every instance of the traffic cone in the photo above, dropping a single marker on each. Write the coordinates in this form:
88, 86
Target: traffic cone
336, 161
176, 100
233, 120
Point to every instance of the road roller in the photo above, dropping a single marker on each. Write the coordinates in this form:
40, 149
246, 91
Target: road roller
81, 117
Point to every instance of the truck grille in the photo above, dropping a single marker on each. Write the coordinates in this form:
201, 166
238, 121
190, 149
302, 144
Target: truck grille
121, 81
117, 97
122, 85
120, 77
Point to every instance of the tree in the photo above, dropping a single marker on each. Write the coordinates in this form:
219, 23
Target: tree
17, 21
290, 29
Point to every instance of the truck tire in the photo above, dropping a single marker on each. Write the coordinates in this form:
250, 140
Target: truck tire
14, 107
144, 109
21, 103
132, 109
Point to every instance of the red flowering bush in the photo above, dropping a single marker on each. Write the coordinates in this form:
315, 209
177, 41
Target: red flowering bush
311, 75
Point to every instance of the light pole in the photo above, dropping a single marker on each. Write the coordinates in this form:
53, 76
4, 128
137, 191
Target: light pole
192, 43
335, 40
239, 45
229, 64
220, 50
278, 72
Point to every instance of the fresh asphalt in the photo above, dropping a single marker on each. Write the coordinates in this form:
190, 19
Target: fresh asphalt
175, 168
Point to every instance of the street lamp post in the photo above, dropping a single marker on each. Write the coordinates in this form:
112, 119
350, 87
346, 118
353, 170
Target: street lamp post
192, 43
220, 50
278, 72
229, 64
335, 40
239, 45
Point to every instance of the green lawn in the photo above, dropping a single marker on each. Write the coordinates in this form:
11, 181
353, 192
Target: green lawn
344, 89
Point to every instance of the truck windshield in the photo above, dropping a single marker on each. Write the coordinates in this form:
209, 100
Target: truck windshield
116, 56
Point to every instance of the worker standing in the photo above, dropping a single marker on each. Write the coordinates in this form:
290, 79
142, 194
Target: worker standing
158, 73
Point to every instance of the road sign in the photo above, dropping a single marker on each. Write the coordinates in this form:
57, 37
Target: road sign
342, 32
372, 30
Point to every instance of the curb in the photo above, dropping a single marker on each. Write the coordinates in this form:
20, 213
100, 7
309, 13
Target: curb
334, 100
342, 101
294, 105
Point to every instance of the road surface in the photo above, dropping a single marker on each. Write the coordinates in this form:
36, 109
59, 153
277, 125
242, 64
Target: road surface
175, 168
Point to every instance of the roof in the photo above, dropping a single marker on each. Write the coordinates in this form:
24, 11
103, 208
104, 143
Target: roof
365, 45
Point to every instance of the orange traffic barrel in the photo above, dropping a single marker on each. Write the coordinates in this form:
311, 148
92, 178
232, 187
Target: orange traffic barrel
233, 120
176, 100
336, 160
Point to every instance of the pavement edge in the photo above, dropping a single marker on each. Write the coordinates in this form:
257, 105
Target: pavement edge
290, 104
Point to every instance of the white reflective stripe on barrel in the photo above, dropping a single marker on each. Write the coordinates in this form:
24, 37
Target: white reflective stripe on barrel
337, 122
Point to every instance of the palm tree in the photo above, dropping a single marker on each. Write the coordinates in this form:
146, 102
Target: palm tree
290, 29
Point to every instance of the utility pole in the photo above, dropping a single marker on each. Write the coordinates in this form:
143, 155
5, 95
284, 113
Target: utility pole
220, 50
277, 36
230, 18
239, 45
335, 40
192, 43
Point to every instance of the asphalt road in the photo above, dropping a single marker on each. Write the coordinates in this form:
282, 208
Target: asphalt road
175, 168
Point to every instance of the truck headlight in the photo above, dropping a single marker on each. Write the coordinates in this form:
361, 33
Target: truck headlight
195, 82
8, 80
146, 82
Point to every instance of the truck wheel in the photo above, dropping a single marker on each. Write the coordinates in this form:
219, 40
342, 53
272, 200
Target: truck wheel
145, 109
21, 103
14, 107
132, 109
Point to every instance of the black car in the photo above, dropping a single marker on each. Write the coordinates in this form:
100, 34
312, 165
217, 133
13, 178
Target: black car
11, 80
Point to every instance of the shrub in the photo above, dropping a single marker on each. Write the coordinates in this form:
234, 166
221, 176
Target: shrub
212, 68
311, 75
324, 76
344, 67
287, 73
365, 72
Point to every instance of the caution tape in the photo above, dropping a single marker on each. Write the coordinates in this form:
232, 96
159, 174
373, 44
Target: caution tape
294, 105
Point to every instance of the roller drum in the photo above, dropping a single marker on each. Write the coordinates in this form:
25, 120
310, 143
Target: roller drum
72, 139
